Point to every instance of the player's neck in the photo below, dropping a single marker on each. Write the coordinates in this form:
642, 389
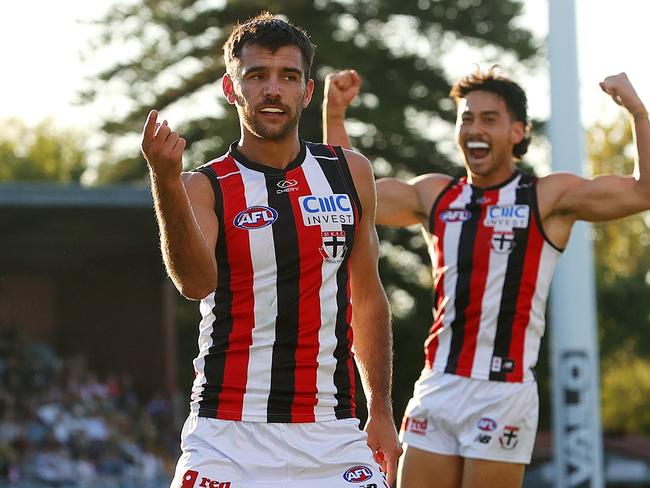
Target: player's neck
273, 153
492, 178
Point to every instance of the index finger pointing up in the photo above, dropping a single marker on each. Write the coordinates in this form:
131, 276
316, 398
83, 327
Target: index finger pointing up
150, 125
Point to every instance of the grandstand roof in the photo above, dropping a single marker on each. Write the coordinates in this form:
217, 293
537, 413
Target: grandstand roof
59, 195
47, 226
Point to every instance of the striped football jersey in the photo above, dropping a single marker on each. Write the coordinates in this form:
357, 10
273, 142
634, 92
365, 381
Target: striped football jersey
492, 268
275, 337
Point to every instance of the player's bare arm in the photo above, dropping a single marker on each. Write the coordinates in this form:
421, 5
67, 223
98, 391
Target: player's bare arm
403, 203
371, 323
565, 198
340, 89
399, 203
184, 205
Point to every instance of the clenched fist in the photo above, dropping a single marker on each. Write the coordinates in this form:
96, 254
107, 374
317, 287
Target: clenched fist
623, 93
340, 89
162, 148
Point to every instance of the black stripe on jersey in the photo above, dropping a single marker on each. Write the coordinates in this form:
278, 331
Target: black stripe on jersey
512, 280
432, 213
287, 255
538, 217
215, 360
342, 373
464, 265
348, 181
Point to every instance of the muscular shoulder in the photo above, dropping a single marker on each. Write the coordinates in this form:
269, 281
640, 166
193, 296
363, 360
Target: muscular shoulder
552, 188
430, 183
359, 165
361, 171
198, 188
428, 188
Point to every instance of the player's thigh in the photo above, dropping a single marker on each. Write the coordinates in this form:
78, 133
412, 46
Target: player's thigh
423, 469
479, 473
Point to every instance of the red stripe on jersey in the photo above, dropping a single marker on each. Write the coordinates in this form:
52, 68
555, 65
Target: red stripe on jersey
480, 267
310, 240
524, 300
231, 397
439, 226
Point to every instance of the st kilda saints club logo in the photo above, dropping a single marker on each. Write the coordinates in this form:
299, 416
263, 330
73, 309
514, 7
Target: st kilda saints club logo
334, 248
509, 438
503, 242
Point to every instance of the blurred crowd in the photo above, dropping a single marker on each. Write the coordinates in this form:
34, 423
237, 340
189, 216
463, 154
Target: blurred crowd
62, 425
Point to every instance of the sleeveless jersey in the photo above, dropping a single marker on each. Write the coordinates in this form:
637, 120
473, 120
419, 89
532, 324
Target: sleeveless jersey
275, 337
492, 269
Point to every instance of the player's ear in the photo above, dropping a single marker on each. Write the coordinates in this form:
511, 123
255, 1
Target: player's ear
517, 132
228, 87
309, 91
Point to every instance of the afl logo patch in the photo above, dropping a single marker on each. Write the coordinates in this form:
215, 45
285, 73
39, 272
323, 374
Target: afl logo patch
357, 474
255, 217
486, 424
454, 215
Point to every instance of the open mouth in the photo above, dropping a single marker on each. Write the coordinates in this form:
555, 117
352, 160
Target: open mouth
477, 149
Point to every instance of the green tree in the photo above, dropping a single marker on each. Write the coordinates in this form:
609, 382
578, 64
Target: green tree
40, 153
398, 46
622, 250
625, 393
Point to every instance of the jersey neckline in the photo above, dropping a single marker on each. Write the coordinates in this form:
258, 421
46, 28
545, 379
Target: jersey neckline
263, 168
514, 175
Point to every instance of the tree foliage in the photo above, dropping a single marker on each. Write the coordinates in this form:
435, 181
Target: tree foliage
40, 153
625, 393
175, 65
622, 250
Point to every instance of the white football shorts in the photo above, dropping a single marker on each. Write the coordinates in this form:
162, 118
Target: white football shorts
229, 454
459, 416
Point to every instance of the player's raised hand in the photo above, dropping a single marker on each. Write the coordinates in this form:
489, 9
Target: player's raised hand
162, 147
340, 89
623, 93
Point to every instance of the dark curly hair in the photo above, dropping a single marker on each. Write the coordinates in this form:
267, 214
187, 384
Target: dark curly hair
270, 32
514, 96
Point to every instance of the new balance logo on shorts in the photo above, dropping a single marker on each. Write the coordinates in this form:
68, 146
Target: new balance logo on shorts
483, 438
191, 477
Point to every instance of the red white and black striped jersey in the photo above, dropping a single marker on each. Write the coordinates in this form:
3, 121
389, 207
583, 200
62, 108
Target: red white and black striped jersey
492, 269
275, 337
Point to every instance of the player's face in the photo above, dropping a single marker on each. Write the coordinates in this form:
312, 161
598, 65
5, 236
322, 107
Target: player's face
486, 134
269, 91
